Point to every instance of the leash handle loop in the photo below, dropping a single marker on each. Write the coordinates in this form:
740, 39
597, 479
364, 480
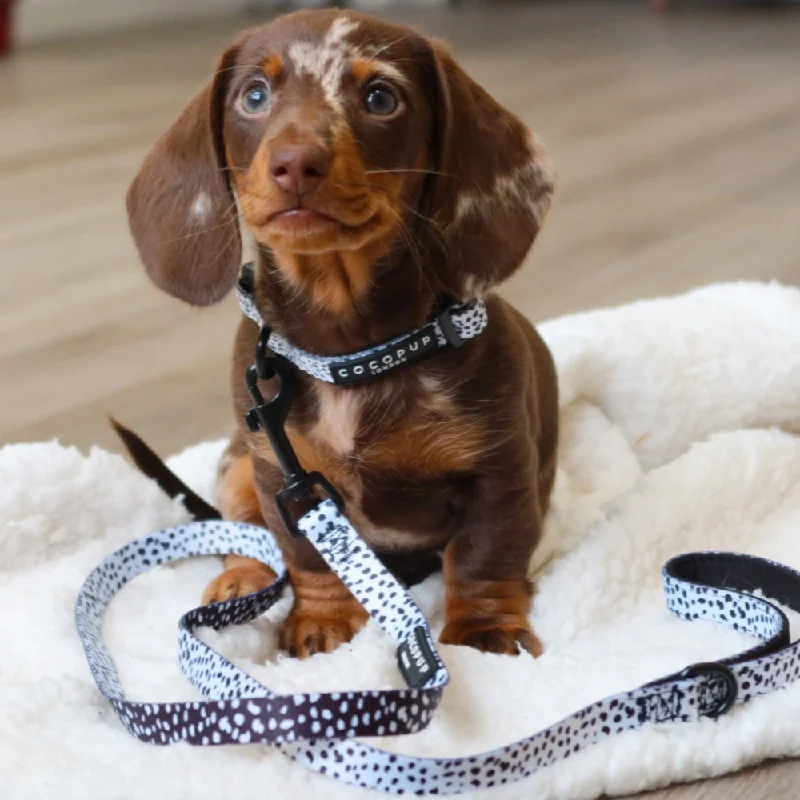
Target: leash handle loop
318, 730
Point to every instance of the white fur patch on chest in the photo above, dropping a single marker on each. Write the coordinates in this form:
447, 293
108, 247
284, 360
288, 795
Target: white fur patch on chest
434, 399
339, 414
326, 62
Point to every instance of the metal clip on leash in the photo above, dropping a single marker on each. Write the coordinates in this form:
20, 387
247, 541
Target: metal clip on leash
270, 416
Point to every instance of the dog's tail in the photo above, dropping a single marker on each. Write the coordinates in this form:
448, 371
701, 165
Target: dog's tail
154, 467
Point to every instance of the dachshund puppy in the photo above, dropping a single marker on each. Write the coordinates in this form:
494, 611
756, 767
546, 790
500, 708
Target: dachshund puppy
375, 178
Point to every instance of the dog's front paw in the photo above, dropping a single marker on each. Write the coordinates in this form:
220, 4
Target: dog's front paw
308, 631
505, 638
246, 577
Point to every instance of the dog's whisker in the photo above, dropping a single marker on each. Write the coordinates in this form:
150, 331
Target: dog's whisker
193, 234
228, 216
225, 69
229, 168
385, 47
408, 171
413, 248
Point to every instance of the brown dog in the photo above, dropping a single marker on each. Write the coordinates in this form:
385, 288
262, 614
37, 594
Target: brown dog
375, 177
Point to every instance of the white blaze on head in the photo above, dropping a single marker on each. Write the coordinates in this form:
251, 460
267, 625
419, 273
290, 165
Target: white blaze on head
326, 61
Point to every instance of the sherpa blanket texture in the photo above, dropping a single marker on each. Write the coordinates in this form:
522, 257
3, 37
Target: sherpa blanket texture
677, 419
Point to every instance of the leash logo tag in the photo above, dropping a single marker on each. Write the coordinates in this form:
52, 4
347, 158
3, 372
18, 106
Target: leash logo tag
660, 707
412, 347
416, 660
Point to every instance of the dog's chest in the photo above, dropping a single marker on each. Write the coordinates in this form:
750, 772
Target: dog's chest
339, 412
420, 431
392, 458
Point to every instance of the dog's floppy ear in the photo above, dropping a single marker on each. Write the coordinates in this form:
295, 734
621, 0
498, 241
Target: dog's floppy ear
494, 181
181, 209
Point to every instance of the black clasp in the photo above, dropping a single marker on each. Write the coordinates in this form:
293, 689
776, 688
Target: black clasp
270, 416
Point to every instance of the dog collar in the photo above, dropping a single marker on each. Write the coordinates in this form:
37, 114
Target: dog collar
452, 327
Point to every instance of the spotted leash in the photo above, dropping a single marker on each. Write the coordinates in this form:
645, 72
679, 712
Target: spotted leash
320, 730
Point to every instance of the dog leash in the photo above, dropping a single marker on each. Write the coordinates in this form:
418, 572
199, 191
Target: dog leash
320, 730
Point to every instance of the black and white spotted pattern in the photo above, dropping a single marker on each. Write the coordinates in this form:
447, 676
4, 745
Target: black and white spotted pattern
371, 583
319, 730
469, 320
245, 710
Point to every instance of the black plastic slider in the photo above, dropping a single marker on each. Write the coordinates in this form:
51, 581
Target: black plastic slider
247, 278
303, 489
445, 320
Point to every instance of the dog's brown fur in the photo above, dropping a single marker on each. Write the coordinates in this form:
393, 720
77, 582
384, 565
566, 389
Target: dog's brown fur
452, 458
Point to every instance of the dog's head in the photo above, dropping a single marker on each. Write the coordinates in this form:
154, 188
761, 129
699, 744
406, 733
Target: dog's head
340, 135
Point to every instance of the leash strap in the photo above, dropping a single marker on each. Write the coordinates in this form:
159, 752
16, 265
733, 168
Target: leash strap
320, 730
454, 326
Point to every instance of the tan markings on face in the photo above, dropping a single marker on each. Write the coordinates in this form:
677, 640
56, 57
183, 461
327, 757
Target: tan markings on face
332, 264
362, 71
272, 66
365, 69
334, 280
325, 62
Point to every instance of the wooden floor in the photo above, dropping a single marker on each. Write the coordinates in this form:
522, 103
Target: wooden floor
677, 140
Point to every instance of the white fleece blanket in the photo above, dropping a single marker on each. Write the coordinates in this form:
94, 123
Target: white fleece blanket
676, 436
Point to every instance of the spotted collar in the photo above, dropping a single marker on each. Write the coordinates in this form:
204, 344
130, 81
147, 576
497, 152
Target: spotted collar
452, 327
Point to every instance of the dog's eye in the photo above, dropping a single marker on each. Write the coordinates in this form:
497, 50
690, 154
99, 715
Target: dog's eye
379, 99
255, 97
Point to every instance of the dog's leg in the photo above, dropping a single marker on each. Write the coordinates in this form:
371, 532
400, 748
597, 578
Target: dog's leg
324, 614
242, 576
487, 592
238, 502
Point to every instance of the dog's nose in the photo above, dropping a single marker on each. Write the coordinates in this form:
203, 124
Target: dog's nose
299, 168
